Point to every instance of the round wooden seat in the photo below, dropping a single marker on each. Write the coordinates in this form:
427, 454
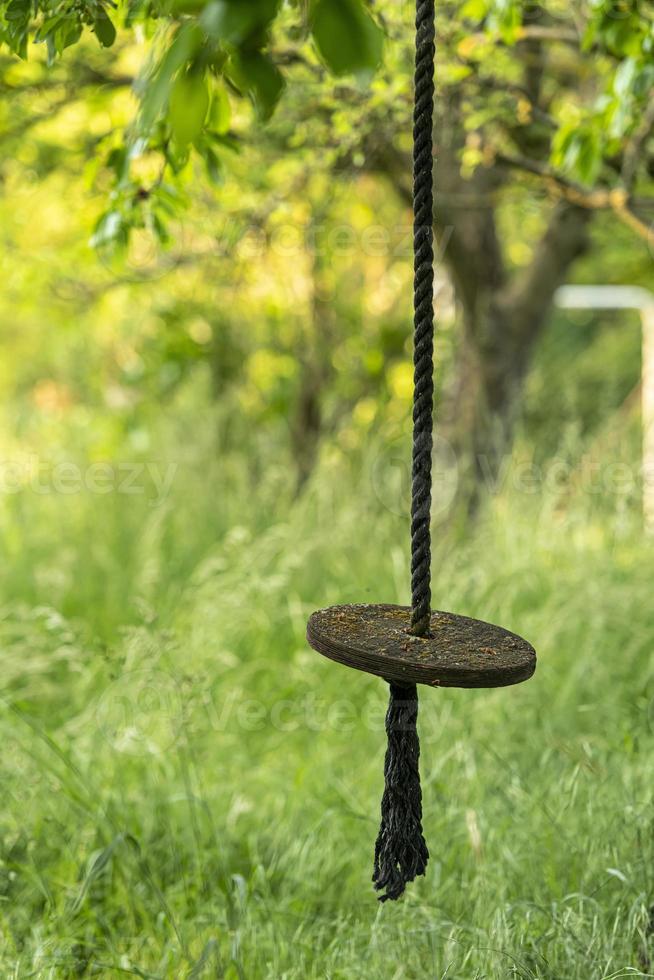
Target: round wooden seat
459, 652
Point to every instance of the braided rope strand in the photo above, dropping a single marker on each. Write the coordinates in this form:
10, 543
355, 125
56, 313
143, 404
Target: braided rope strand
401, 852
423, 358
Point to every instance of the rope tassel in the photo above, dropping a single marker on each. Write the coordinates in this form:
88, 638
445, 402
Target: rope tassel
400, 852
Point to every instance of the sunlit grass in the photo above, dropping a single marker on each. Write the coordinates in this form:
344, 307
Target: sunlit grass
188, 791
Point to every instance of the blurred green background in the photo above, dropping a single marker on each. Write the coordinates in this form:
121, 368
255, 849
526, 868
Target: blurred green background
205, 401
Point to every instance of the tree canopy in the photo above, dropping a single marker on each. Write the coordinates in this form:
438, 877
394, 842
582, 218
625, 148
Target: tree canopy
563, 93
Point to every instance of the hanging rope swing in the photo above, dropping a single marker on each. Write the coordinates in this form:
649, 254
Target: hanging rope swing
410, 646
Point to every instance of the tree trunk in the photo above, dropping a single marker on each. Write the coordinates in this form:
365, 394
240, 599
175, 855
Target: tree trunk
315, 368
501, 325
502, 314
306, 425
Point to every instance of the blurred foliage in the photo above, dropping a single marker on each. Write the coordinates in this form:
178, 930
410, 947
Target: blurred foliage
189, 65
285, 263
271, 259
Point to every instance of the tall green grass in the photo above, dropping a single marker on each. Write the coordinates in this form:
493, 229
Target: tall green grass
188, 791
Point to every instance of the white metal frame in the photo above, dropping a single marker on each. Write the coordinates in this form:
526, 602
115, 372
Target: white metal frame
642, 301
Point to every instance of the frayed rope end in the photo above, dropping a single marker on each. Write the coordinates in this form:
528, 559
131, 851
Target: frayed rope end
401, 853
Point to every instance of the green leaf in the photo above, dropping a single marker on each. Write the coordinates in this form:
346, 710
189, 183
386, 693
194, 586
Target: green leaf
160, 229
17, 10
578, 151
220, 116
118, 161
71, 34
188, 106
104, 29
346, 36
255, 73
156, 89
475, 9
51, 47
625, 77
47, 27
506, 17
621, 38
237, 21
111, 230
212, 164
589, 159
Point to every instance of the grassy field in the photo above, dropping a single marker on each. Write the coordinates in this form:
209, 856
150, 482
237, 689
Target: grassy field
189, 792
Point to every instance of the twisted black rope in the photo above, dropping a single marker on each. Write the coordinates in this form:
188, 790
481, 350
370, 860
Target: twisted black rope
401, 852
423, 356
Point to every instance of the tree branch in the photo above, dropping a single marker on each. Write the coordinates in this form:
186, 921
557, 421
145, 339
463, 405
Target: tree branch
552, 35
560, 187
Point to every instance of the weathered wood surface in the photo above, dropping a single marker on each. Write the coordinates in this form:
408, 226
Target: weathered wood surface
460, 652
